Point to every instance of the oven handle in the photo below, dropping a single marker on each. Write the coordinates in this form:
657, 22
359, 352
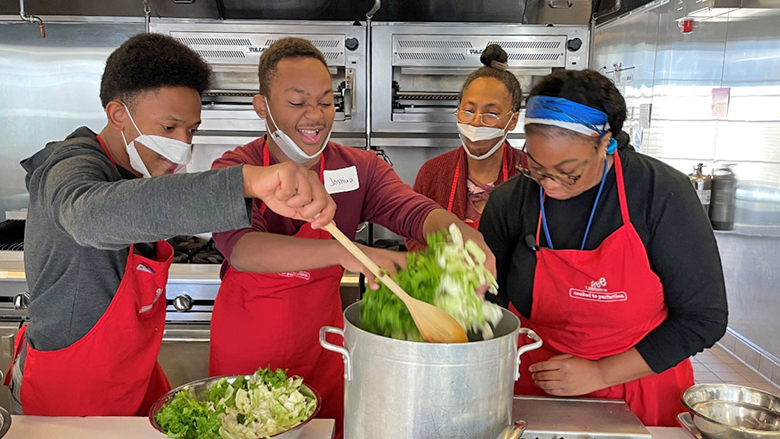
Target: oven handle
186, 336
349, 93
184, 340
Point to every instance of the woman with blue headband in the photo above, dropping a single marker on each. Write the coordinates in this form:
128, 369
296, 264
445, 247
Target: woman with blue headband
461, 180
605, 253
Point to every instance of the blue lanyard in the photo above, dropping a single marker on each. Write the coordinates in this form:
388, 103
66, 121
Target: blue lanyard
592, 212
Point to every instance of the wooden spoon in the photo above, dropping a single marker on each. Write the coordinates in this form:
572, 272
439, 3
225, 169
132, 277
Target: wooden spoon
434, 324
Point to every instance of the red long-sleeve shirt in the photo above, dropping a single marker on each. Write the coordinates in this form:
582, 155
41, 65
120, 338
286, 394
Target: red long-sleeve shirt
381, 197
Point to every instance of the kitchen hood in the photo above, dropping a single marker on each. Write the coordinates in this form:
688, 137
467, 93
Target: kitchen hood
472, 11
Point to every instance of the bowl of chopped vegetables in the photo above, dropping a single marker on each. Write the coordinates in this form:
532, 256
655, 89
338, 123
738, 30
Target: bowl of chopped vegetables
266, 404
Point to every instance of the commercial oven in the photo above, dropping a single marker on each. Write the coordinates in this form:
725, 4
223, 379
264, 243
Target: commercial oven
418, 70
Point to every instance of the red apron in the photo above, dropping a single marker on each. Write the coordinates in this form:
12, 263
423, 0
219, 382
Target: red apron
274, 319
113, 369
599, 303
504, 174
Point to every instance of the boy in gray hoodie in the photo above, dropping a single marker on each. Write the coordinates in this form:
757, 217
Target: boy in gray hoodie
91, 197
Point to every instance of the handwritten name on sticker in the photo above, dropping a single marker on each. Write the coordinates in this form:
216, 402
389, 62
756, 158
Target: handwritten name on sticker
341, 180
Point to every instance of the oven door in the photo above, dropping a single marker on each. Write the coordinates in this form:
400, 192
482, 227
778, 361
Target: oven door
184, 355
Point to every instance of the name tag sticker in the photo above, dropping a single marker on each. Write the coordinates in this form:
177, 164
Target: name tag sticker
341, 180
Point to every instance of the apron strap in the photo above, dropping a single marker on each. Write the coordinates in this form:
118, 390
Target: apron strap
621, 189
539, 226
18, 343
103, 145
267, 161
505, 164
454, 188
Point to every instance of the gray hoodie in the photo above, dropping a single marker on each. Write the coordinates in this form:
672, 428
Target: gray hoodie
84, 213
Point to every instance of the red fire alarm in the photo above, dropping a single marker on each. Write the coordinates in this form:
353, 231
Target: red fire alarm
686, 26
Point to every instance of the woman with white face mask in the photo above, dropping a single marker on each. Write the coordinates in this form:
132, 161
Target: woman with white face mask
461, 180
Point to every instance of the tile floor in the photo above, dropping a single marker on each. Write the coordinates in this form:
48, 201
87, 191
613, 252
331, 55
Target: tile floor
718, 365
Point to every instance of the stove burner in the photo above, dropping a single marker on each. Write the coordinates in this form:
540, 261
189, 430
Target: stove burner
195, 250
12, 235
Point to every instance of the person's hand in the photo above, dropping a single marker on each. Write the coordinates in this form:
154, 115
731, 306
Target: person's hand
490, 263
290, 190
387, 260
567, 375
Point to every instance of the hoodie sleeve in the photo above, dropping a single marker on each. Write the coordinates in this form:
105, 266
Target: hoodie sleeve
83, 202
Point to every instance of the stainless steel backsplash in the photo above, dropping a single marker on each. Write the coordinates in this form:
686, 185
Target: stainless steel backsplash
671, 77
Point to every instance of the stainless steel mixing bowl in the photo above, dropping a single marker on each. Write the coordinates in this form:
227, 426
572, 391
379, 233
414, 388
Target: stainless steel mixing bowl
730, 411
5, 421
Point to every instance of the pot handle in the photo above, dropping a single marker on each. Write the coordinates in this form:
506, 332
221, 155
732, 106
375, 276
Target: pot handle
338, 349
514, 431
526, 348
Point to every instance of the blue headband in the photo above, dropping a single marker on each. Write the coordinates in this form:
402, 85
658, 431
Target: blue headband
563, 113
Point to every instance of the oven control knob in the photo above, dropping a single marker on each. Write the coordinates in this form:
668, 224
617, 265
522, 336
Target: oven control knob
351, 43
182, 303
21, 301
574, 44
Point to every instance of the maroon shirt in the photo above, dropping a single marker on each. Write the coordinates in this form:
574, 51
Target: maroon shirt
381, 198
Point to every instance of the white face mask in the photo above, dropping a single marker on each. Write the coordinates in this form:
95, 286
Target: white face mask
288, 145
476, 134
173, 150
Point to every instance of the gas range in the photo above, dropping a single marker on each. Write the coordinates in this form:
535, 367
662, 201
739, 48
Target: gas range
192, 287
195, 250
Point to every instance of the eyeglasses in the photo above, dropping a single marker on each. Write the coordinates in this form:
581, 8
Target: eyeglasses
486, 119
568, 179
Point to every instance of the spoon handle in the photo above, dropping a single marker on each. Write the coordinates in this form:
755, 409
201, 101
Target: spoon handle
355, 251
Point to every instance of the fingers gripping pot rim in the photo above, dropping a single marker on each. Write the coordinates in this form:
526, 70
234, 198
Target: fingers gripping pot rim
418, 389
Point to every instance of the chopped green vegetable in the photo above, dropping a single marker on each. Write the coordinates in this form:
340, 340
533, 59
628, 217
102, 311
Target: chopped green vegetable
447, 274
266, 404
186, 417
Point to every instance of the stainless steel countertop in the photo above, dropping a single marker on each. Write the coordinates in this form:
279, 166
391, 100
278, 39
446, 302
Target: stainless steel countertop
94, 427
34, 427
577, 418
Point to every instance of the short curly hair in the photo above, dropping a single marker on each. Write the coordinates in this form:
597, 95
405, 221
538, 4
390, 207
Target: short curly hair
149, 61
285, 48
